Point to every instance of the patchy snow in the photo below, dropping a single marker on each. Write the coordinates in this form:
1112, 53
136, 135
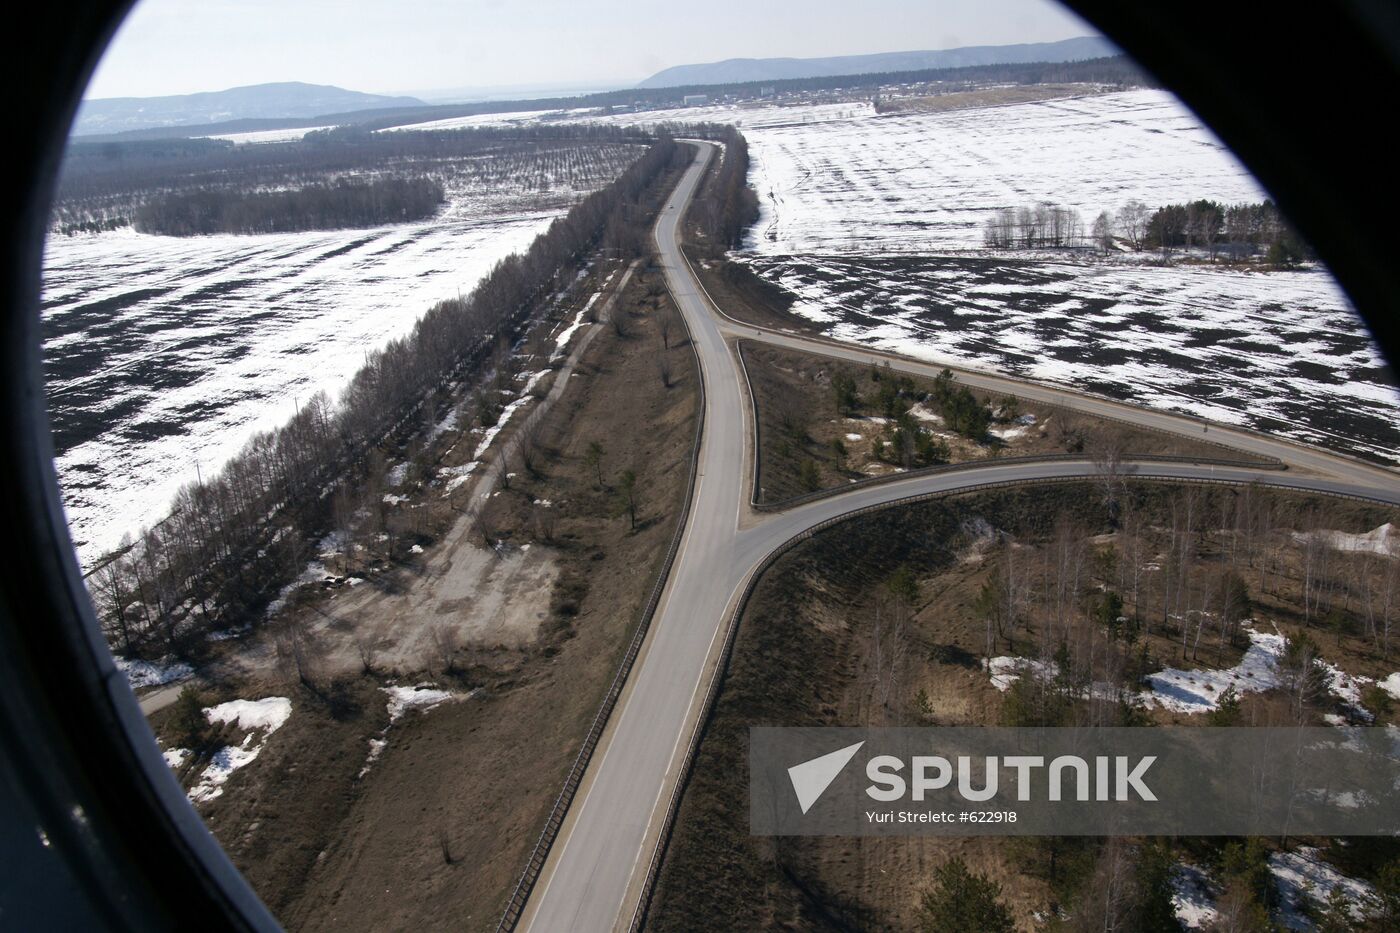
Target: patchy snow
1391, 685
921, 412
1193, 897
152, 673
1302, 874
260, 718
270, 713
490, 433
853, 203
855, 437
1006, 670
1347, 688
1384, 541
561, 342
416, 549
1199, 691
175, 758
458, 475
421, 697
226, 335
376, 748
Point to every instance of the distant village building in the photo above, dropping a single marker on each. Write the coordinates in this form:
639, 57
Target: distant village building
695, 100
767, 91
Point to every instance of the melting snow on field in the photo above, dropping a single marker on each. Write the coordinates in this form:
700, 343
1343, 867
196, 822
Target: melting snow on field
854, 202
833, 179
152, 673
422, 697
561, 342
1006, 670
260, 718
165, 354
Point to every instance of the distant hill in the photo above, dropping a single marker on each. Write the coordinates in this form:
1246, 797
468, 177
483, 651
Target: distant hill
290, 99
736, 70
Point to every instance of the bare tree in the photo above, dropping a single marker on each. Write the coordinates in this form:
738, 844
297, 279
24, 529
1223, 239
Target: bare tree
1132, 217
367, 650
627, 496
1103, 231
503, 473
528, 443
298, 653
663, 327
442, 640
1106, 451
546, 520
593, 457
663, 369
483, 522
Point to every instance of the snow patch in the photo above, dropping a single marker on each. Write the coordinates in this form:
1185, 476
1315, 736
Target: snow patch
261, 718
152, 673
1193, 897
1303, 875
1199, 691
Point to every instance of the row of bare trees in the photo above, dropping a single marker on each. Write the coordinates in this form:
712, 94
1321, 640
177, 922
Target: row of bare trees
1034, 226
233, 540
728, 206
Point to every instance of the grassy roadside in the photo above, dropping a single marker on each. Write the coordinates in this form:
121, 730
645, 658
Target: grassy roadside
824, 424
481, 775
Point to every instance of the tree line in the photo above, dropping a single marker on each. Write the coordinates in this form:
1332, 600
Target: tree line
344, 203
233, 540
103, 185
1234, 231
727, 206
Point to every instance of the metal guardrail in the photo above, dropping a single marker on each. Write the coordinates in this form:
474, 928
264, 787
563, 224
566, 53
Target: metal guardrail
515, 907
773, 556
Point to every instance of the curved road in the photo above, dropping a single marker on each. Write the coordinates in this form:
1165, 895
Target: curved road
596, 870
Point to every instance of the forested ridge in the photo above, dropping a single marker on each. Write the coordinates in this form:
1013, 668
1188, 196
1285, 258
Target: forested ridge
232, 541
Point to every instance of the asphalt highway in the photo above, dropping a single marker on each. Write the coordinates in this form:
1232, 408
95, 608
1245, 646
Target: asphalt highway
595, 872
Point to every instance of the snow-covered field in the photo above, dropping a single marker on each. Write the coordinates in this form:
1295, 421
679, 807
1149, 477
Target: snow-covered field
268, 136
833, 179
875, 221
1279, 351
163, 355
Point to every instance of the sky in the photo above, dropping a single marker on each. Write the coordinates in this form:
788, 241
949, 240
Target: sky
421, 46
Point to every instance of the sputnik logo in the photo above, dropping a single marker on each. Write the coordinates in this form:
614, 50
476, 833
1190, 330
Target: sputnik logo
811, 778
